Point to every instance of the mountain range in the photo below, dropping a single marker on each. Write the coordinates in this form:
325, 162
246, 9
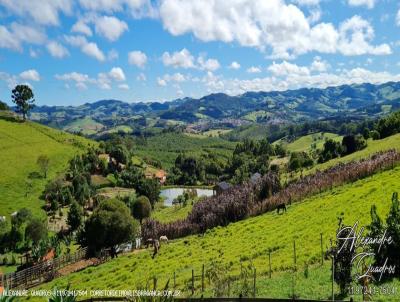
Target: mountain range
222, 110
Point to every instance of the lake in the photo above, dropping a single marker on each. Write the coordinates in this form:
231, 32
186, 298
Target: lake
170, 194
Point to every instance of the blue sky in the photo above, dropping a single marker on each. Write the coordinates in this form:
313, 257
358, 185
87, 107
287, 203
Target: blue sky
72, 52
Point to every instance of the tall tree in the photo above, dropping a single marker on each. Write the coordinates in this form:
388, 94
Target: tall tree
75, 214
43, 162
23, 97
141, 208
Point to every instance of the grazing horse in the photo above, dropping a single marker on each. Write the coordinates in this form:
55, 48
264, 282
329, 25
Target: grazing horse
281, 207
164, 239
149, 242
156, 245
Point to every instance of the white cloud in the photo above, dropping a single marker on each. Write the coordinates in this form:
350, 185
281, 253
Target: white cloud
110, 28
30, 75
253, 69
137, 58
10, 80
17, 34
234, 65
41, 11
282, 28
123, 86
89, 48
176, 77
319, 65
355, 34
82, 28
57, 50
161, 82
181, 59
285, 68
33, 53
117, 74
209, 64
368, 3
137, 8
7, 39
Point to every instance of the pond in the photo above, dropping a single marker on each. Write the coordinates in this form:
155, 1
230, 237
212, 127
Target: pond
170, 194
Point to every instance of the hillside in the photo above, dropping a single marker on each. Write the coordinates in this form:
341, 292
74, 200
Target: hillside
249, 241
20, 146
224, 111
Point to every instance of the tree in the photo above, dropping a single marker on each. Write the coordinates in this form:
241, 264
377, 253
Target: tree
149, 188
23, 97
43, 162
74, 218
141, 208
35, 231
110, 224
353, 143
3, 106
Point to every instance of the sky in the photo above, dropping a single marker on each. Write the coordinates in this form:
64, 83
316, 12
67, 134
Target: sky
73, 52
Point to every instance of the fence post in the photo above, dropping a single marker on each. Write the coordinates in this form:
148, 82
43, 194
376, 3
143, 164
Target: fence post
254, 283
294, 253
333, 273
192, 281
269, 260
174, 279
202, 279
154, 283
322, 252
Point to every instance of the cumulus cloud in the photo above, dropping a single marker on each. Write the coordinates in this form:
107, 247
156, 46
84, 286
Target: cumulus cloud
161, 82
43, 12
30, 75
368, 3
110, 27
208, 64
234, 65
82, 28
137, 8
16, 34
89, 48
137, 58
178, 59
285, 68
253, 69
117, 74
112, 55
57, 50
272, 24
319, 65
104, 80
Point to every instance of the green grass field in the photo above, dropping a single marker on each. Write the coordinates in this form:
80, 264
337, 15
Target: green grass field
166, 147
304, 143
86, 126
249, 241
20, 146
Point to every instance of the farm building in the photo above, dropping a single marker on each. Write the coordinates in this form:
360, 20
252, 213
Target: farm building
221, 187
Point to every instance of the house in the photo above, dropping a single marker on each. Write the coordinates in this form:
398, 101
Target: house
221, 187
255, 178
161, 175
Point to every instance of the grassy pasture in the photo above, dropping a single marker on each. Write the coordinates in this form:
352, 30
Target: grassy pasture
249, 241
20, 146
304, 143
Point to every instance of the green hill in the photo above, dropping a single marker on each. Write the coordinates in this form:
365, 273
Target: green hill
304, 143
249, 241
20, 146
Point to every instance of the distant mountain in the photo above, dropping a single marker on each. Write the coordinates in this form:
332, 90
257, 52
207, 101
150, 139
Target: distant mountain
299, 105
